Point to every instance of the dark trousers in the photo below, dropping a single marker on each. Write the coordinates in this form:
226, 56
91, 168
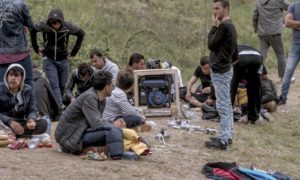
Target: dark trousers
40, 128
105, 135
247, 68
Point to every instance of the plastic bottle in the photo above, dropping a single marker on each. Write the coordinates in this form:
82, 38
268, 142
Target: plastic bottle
47, 118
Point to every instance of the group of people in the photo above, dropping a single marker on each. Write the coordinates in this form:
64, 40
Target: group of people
238, 70
98, 112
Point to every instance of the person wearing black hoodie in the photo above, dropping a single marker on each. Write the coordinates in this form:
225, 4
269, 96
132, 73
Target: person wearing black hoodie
56, 32
81, 77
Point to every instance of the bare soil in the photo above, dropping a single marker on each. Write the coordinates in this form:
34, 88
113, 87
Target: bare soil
269, 146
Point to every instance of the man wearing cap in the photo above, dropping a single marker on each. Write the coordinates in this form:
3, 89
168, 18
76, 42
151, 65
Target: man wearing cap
56, 32
17, 107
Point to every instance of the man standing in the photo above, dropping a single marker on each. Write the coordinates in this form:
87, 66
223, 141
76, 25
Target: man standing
222, 42
292, 20
268, 24
17, 107
14, 23
56, 32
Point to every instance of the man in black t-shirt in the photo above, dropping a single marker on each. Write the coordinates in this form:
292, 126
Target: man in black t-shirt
203, 91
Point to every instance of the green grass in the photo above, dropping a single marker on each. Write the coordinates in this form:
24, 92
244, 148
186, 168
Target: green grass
174, 30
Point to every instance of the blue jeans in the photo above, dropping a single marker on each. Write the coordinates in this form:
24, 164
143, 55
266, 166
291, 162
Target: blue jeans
221, 84
292, 62
57, 74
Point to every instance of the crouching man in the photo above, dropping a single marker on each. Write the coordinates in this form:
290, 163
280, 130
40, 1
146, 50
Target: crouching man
81, 126
17, 104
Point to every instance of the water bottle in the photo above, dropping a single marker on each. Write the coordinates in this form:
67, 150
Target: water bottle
33, 142
47, 118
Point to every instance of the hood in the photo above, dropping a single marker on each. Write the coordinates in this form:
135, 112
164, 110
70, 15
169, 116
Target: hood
36, 74
5, 75
56, 14
263, 2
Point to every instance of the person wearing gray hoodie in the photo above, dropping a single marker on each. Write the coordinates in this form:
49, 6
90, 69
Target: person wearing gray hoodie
268, 23
102, 63
17, 104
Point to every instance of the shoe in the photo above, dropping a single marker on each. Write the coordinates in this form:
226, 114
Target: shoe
216, 144
214, 137
281, 102
268, 116
293, 79
127, 155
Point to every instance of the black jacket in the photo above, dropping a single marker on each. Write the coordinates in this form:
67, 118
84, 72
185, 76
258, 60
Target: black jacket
56, 41
268, 91
82, 86
222, 42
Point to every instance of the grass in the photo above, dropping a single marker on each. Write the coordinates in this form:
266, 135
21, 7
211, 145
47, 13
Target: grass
168, 30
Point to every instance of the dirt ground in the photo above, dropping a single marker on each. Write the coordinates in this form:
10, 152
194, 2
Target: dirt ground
182, 157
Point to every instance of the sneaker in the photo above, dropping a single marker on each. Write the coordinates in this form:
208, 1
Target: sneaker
280, 101
268, 116
216, 144
127, 155
94, 156
214, 138
293, 79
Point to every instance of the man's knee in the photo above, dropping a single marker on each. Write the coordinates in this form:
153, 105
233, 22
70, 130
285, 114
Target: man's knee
270, 106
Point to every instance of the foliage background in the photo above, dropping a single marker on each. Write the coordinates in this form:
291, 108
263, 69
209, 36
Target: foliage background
173, 30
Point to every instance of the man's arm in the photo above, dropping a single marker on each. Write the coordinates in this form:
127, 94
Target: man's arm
76, 31
189, 87
31, 107
5, 119
255, 19
71, 85
283, 4
216, 36
290, 22
39, 27
27, 18
91, 111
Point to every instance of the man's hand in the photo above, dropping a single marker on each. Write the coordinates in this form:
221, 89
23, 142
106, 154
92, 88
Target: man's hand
206, 90
188, 96
31, 124
26, 29
120, 123
214, 20
41, 51
16, 127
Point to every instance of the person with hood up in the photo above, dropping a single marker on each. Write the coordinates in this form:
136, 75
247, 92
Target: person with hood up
268, 23
81, 77
102, 63
47, 104
17, 107
56, 32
